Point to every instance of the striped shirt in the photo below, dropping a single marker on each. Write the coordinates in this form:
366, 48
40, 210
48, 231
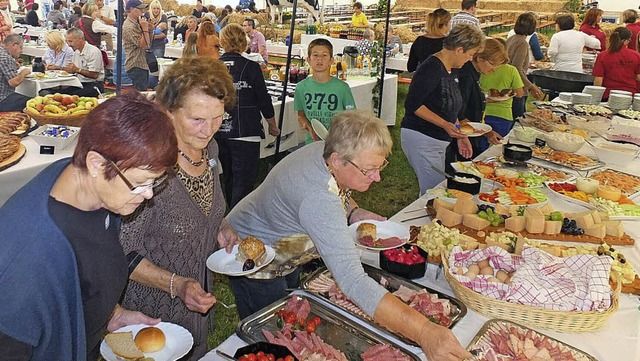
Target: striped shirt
464, 17
8, 70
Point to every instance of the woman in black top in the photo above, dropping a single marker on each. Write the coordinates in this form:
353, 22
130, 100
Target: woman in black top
485, 62
430, 43
32, 16
433, 106
239, 136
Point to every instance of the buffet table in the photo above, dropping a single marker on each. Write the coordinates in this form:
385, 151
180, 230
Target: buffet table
31, 87
38, 51
338, 44
618, 340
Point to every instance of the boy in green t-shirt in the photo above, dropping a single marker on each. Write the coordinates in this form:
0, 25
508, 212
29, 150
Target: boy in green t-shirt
498, 112
321, 96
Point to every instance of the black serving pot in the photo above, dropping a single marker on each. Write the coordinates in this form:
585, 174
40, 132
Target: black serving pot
409, 271
471, 188
510, 153
560, 81
266, 347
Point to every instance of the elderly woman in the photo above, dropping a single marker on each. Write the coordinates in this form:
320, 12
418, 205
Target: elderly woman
365, 44
565, 47
59, 54
62, 279
433, 106
208, 43
518, 50
168, 240
91, 26
315, 183
430, 43
591, 26
618, 68
158, 20
192, 26
240, 134
394, 43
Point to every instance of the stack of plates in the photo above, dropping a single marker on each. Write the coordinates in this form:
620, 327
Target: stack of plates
636, 102
581, 98
619, 101
565, 96
596, 93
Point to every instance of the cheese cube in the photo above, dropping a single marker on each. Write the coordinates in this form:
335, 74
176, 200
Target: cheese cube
604, 216
546, 209
475, 222
500, 209
439, 203
448, 218
533, 220
596, 217
465, 206
584, 220
614, 228
514, 224
552, 227
598, 230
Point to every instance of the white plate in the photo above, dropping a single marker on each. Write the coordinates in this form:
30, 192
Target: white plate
485, 128
179, 342
499, 99
319, 128
226, 263
385, 229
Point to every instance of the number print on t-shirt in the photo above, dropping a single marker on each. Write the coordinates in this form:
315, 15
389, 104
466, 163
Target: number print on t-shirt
318, 100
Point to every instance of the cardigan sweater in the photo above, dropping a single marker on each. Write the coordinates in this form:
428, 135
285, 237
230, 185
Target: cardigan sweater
41, 299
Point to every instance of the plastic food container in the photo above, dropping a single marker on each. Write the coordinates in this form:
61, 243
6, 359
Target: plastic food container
465, 182
57, 136
409, 271
517, 152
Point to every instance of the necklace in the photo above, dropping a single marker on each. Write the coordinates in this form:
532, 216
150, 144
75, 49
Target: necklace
195, 164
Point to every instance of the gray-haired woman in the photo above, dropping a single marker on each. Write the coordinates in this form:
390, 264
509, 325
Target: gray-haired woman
309, 192
433, 105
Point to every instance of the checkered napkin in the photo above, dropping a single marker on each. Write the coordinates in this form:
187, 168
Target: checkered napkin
576, 283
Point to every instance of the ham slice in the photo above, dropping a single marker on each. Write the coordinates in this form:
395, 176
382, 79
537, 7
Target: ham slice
384, 352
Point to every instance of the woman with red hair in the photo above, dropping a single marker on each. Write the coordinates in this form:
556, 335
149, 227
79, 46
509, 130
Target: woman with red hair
208, 43
591, 26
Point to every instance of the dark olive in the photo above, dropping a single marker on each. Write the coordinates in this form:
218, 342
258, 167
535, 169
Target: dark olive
248, 264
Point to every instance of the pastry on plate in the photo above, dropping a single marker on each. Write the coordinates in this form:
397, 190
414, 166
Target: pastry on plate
251, 248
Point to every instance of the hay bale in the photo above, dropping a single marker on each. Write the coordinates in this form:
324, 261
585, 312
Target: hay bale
184, 10
406, 34
169, 5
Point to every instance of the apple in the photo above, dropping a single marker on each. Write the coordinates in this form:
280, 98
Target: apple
66, 100
57, 97
39, 107
75, 98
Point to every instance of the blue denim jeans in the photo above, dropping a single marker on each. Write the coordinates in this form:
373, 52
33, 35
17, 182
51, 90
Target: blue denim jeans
139, 78
252, 294
500, 125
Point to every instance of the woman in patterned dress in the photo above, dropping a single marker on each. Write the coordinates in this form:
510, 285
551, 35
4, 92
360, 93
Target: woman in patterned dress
168, 240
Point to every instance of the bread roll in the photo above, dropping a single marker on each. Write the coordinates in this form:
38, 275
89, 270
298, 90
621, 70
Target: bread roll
367, 231
150, 339
467, 129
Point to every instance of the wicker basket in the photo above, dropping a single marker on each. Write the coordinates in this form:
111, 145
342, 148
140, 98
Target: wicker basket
70, 120
560, 321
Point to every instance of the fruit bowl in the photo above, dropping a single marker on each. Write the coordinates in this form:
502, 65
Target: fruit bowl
391, 262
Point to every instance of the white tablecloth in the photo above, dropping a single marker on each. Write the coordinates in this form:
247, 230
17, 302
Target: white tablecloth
31, 87
397, 63
15, 177
618, 340
281, 49
338, 44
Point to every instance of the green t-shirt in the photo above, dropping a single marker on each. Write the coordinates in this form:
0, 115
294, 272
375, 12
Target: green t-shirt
505, 77
323, 100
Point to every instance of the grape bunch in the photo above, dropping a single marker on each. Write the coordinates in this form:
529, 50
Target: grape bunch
569, 227
484, 207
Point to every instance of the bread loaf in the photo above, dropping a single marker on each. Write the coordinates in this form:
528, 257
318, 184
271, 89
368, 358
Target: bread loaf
122, 345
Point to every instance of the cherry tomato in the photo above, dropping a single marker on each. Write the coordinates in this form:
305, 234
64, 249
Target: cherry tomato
290, 318
302, 322
243, 358
271, 357
280, 359
289, 358
315, 320
263, 358
260, 353
311, 327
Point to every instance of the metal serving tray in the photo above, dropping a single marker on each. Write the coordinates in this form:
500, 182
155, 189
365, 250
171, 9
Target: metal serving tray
336, 330
591, 167
394, 284
482, 335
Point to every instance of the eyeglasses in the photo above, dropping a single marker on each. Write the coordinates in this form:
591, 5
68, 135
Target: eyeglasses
136, 190
369, 172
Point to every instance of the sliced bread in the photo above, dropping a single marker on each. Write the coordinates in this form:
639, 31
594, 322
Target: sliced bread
122, 345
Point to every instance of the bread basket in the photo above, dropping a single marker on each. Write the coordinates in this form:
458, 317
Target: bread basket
560, 321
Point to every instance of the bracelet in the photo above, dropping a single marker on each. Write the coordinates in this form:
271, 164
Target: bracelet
351, 213
171, 286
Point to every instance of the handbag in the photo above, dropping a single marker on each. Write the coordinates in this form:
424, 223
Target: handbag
152, 61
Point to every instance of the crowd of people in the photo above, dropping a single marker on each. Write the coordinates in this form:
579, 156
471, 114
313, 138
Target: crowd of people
124, 227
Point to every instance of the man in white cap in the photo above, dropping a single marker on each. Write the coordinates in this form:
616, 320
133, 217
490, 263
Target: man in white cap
136, 38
